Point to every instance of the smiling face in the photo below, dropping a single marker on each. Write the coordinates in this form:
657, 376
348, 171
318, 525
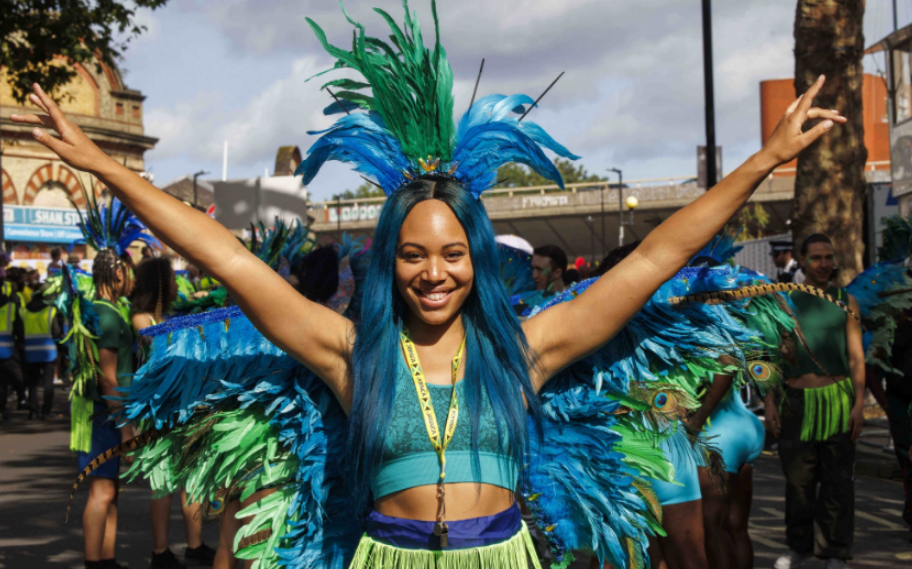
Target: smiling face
818, 264
434, 271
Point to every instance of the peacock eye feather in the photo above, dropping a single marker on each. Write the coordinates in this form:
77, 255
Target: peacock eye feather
761, 371
665, 402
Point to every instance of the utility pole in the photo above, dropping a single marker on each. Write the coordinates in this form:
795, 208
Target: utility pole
620, 205
602, 196
895, 19
712, 175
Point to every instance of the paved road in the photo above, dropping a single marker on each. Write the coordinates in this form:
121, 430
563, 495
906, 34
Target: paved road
36, 471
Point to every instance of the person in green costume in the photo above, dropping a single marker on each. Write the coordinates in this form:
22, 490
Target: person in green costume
820, 418
113, 280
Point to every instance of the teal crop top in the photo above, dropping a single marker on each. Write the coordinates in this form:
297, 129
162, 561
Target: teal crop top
409, 459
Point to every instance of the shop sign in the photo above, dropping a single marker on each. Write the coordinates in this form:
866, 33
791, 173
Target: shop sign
356, 212
41, 224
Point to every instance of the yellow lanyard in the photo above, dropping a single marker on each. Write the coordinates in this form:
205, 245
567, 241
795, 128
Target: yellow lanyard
430, 420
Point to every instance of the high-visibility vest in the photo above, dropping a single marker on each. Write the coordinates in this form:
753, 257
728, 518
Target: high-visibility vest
8, 288
39, 345
7, 318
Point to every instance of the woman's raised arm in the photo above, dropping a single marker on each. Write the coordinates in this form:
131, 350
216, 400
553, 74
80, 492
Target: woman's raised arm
313, 334
573, 329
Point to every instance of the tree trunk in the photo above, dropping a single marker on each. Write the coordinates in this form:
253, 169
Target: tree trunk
830, 185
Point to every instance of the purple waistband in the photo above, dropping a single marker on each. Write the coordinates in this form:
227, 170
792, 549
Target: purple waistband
463, 534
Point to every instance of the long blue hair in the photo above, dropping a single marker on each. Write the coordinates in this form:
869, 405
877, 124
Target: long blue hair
498, 357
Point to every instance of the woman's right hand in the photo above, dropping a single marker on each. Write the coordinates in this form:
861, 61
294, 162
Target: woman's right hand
789, 137
73, 146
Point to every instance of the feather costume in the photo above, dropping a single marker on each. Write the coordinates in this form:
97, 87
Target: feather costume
884, 292
104, 226
234, 412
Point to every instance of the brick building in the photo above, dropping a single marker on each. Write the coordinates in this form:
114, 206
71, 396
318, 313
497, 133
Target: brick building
37, 187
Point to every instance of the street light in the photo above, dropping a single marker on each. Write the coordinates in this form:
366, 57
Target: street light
195, 193
620, 207
589, 221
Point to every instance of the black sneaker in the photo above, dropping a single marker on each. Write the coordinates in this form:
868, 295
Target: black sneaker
165, 560
202, 556
111, 564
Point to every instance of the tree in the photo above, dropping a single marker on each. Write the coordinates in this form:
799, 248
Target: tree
750, 222
830, 184
365, 190
36, 33
514, 175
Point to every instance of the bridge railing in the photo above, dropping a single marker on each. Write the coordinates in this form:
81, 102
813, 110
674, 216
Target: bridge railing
365, 211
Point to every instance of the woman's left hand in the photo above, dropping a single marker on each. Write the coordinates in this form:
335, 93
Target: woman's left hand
789, 138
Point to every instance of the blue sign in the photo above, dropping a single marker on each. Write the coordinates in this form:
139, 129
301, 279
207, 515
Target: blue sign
41, 224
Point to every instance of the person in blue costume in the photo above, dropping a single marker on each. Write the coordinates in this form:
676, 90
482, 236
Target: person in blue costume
739, 435
440, 377
731, 428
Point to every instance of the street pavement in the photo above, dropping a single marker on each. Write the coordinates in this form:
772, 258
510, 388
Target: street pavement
37, 471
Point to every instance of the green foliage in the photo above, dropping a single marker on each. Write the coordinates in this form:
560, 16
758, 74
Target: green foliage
34, 32
519, 176
365, 190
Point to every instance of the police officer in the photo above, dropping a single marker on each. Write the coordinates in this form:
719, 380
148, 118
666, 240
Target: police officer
10, 371
41, 327
788, 270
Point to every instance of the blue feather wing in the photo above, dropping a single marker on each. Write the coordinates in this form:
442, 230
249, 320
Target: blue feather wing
883, 292
587, 477
205, 366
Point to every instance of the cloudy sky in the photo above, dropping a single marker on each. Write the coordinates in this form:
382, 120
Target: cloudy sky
632, 96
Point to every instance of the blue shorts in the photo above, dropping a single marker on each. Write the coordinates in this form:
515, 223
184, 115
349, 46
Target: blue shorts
686, 484
736, 432
104, 436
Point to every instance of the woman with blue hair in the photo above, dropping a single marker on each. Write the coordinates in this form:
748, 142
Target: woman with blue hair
440, 376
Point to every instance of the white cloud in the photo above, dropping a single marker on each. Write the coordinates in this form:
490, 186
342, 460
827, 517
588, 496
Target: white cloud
632, 94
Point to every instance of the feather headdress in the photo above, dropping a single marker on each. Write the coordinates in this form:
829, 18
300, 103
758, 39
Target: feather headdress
407, 127
111, 226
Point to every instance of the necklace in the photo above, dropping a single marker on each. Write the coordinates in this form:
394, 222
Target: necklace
430, 422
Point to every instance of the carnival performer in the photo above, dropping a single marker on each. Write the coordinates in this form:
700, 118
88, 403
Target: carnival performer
434, 296
821, 417
154, 290
726, 422
101, 343
114, 344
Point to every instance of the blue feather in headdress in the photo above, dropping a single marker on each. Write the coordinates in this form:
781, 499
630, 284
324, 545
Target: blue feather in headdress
111, 227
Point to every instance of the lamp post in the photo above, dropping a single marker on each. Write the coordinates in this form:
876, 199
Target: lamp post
589, 221
195, 192
620, 206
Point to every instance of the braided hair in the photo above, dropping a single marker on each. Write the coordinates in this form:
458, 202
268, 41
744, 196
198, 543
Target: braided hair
104, 270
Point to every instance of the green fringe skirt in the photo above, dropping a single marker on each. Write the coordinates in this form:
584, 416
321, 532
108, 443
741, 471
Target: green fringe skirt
517, 552
827, 410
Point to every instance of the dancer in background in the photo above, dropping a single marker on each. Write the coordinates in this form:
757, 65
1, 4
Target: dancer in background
154, 291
